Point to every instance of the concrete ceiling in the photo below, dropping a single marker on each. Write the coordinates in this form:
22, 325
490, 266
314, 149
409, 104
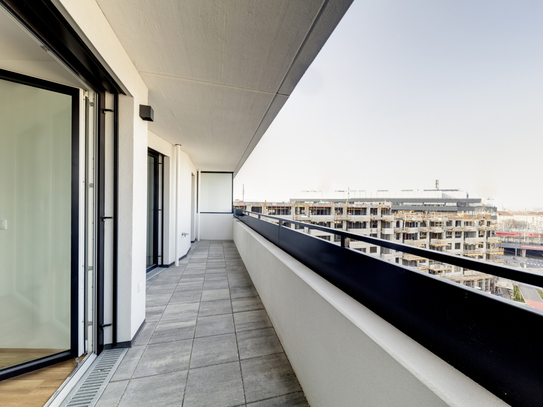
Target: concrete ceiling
218, 72
20, 53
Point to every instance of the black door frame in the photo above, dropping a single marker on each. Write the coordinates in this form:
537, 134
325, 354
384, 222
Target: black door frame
158, 213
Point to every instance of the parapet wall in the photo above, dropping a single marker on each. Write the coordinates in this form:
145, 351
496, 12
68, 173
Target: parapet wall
342, 353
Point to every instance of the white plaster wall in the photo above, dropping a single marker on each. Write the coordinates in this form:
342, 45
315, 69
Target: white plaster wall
342, 353
186, 169
216, 226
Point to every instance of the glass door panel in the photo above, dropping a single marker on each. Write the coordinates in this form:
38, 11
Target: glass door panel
35, 222
151, 207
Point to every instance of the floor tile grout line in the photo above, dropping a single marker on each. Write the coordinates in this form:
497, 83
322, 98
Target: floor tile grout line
192, 347
237, 344
148, 342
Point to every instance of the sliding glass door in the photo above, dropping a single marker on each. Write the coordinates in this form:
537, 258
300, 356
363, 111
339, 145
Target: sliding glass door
154, 209
38, 234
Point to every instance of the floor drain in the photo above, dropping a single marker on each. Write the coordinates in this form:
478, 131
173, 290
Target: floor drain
91, 386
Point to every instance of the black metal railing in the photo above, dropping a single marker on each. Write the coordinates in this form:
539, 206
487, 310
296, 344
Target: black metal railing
492, 340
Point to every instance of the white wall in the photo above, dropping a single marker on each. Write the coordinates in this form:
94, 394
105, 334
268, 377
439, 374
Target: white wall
186, 169
344, 354
216, 226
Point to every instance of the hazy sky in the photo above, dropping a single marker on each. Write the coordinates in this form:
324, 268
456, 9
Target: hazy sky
407, 92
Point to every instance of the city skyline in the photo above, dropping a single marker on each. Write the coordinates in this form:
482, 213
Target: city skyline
403, 94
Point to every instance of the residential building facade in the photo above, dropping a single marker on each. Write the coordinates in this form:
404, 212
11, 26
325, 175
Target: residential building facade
468, 232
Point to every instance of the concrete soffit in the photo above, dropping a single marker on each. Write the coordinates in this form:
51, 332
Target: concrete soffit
218, 73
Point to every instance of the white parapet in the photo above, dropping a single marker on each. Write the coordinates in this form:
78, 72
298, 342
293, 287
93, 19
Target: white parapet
344, 354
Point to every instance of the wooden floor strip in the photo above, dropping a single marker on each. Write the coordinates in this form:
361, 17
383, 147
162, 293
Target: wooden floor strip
35, 388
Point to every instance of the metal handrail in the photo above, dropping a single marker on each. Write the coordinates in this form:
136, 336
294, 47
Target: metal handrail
523, 276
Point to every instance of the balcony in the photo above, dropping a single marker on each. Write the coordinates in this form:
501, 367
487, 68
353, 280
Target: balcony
366, 320
474, 240
207, 340
493, 239
474, 252
388, 218
440, 242
417, 243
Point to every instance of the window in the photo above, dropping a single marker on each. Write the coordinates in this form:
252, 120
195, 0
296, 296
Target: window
457, 246
373, 249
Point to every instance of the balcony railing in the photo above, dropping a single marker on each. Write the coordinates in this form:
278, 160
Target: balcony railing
467, 328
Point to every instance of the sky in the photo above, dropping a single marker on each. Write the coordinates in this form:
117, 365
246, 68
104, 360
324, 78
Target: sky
405, 93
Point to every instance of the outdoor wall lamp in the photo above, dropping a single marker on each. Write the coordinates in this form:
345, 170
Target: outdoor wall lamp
147, 113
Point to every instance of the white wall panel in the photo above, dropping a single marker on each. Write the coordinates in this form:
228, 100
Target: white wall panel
215, 192
216, 226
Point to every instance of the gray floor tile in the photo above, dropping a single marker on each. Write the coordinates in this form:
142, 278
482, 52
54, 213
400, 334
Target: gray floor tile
260, 342
164, 358
181, 311
157, 299
154, 313
246, 304
268, 376
146, 332
112, 394
214, 325
290, 400
212, 295
192, 278
216, 284
194, 271
173, 330
163, 284
213, 350
216, 386
216, 272
197, 260
165, 390
186, 297
216, 277
128, 364
189, 288
249, 320
218, 307
238, 292
240, 281
157, 365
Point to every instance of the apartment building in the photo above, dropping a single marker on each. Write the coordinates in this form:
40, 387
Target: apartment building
468, 232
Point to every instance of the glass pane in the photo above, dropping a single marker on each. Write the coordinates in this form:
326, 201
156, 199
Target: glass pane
150, 211
35, 222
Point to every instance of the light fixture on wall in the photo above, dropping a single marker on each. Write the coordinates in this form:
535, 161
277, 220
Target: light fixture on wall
147, 113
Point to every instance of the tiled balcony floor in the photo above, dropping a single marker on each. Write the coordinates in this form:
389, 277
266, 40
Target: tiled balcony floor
207, 341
